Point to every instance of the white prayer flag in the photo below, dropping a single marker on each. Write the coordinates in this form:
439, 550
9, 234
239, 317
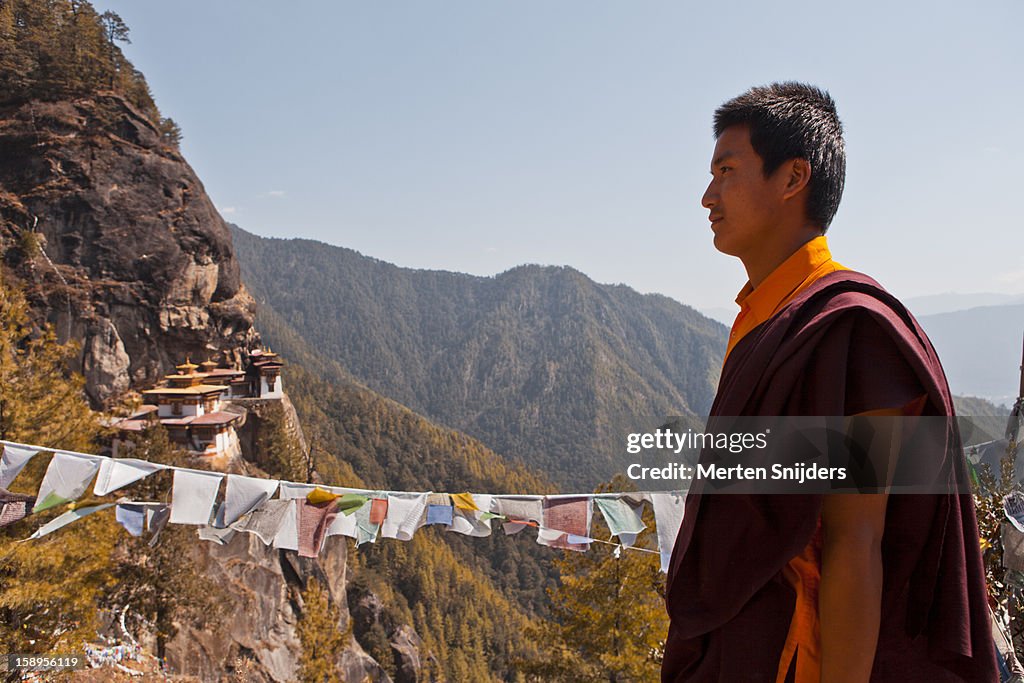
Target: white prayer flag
668, 516
406, 514
344, 525
290, 489
520, 508
1013, 506
244, 494
67, 518
265, 521
193, 495
67, 478
547, 536
12, 462
217, 531
119, 472
287, 537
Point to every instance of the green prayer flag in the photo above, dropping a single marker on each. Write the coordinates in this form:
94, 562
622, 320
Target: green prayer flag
350, 502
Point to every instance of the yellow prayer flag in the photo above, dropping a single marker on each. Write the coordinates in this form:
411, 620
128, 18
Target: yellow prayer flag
319, 495
464, 501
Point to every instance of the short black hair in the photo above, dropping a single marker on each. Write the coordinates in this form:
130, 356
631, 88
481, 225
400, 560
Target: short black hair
794, 121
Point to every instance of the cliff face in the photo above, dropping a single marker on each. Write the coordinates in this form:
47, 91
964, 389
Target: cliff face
263, 604
116, 241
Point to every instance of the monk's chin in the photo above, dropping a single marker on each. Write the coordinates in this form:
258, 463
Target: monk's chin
723, 244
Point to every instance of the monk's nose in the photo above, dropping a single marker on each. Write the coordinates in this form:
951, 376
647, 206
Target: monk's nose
710, 198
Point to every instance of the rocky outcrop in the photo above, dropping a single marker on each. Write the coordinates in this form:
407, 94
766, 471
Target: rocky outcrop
116, 241
262, 587
407, 647
262, 590
370, 616
260, 411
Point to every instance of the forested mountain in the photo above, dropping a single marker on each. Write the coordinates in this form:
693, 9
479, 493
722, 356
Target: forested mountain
540, 363
477, 603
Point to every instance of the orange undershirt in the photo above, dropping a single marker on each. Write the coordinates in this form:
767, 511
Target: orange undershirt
792, 276
803, 572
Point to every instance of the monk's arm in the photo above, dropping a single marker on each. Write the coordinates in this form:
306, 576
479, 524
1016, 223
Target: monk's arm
879, 383
850, 596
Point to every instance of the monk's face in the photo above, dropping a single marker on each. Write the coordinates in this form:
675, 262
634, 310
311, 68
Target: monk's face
744, 206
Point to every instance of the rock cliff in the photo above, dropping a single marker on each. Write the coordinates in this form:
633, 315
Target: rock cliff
117, 245
116, 241
262, 588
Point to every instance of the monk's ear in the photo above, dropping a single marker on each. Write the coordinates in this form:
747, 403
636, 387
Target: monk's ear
798, 175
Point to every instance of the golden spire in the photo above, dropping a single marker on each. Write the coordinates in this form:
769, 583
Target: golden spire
187, 368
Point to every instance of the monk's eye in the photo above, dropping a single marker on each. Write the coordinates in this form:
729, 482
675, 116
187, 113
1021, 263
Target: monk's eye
723, 169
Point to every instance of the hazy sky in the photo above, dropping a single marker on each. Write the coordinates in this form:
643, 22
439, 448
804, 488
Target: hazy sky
475, 136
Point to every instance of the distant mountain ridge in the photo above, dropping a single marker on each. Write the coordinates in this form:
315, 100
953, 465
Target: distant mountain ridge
540, 363
949, 302
980, 349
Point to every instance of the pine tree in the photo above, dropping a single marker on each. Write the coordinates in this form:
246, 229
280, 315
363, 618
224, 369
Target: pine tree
608, 612
48, 588
116, 29
170, 132
319, 635
85, 52
14, 63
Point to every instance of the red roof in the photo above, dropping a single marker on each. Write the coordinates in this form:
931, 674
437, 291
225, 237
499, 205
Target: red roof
224, 372
144, 412
218, 418
131, 425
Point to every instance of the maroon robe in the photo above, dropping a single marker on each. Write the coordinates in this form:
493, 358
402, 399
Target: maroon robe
841, 347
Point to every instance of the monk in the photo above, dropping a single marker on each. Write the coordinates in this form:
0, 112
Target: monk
809, 588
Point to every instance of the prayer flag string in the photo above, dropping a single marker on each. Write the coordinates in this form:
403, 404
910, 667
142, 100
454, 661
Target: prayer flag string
303, 515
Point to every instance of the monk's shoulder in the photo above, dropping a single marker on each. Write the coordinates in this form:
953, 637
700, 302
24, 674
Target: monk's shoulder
855, 299
882, 347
